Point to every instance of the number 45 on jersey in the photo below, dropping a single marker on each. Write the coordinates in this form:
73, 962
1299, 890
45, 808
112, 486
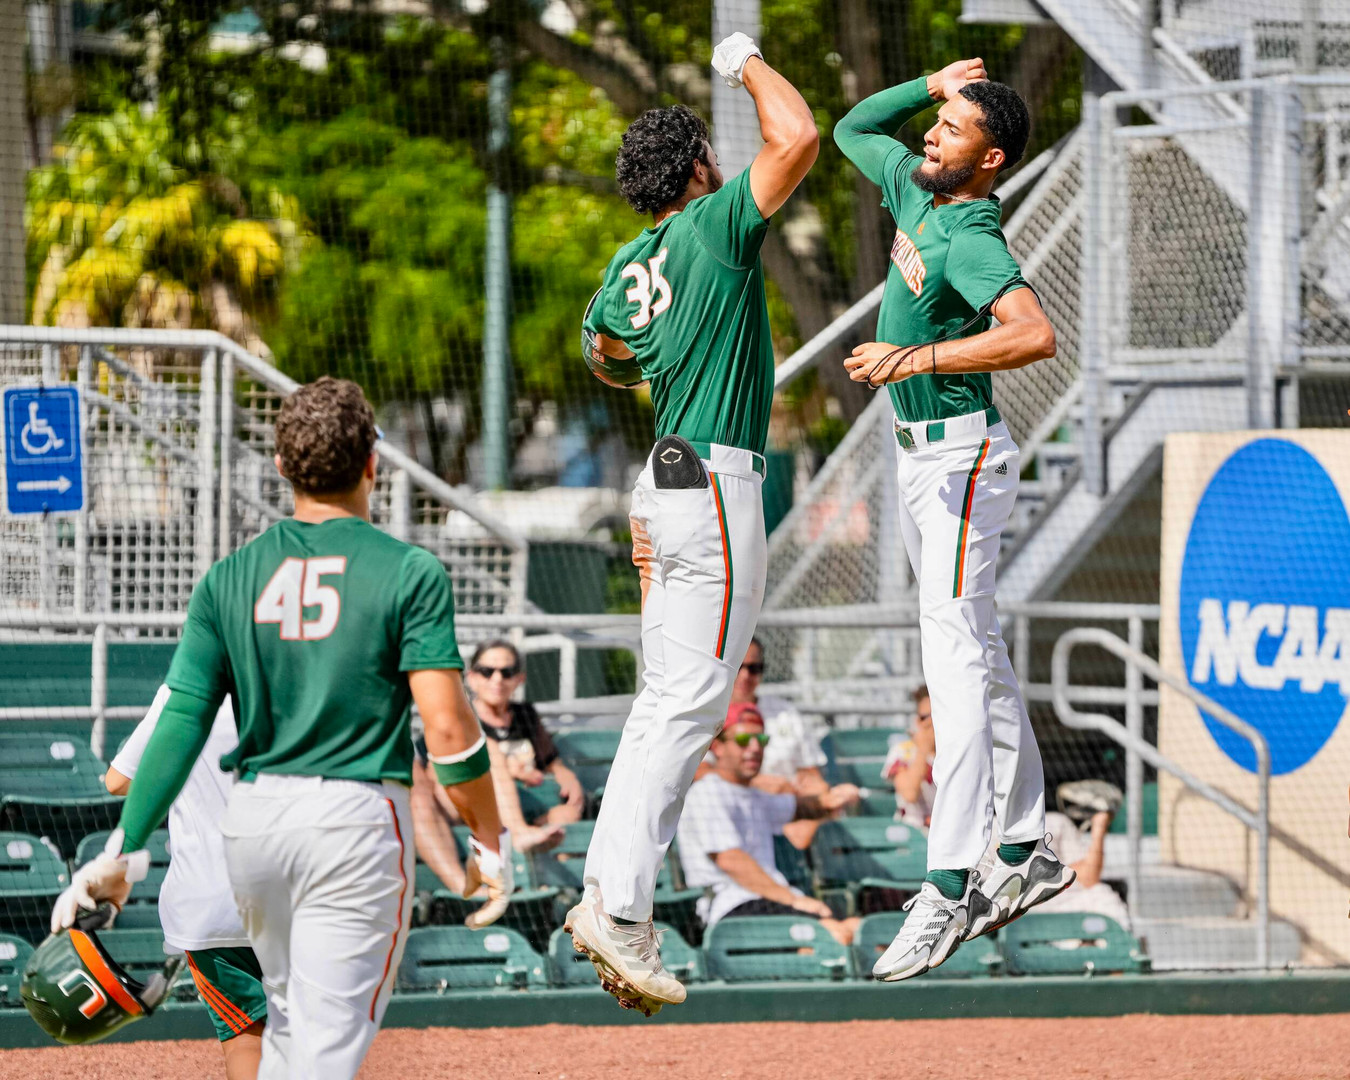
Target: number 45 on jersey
297, 585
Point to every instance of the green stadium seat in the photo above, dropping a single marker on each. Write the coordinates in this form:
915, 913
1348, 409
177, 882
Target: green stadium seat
571, 968
863, 853
141, 952
52, 785
444, 958
14, 953
870, 744
792, 863
675, 904
1071, 943
589, 753
761, 947
144, 892
588, 745
979, 957
32, 875
535, 802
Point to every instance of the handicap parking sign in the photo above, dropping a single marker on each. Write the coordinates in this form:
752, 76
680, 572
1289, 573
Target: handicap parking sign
44, 466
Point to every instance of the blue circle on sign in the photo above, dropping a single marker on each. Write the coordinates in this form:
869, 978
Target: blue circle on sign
1270, 541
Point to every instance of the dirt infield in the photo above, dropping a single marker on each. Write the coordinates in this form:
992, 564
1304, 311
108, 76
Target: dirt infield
1198, 1047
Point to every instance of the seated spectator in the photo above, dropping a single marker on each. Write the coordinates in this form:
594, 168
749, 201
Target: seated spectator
909, 766
495, 674
726, 832
1094, 803
793, 759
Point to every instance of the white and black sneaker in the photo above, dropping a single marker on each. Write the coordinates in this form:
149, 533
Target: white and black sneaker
1012, 891
932, 931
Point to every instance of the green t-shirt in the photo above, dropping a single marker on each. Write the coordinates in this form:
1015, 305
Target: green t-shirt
687, 296
312, 629
947, 262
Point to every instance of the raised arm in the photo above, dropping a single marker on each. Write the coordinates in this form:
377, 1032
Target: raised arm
791, 141
866, 134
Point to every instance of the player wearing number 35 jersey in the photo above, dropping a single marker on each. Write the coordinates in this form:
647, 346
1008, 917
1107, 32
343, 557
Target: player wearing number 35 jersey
686, 299
323, 630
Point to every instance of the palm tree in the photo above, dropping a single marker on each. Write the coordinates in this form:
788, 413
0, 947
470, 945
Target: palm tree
123, 232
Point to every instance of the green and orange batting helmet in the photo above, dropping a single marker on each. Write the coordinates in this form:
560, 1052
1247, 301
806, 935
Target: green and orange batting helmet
624, 374
78, 993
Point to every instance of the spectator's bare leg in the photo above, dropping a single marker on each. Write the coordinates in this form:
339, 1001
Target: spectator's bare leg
842, 930
1089, 868
432, 835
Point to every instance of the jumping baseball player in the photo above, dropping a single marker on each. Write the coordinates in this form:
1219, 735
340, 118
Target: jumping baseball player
196, 907
686, 298
950, 271
323, 631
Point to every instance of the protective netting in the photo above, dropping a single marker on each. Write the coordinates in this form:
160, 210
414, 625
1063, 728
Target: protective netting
423, 201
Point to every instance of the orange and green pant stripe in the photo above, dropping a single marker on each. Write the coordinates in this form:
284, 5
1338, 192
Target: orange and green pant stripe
963, 531
229, 981
725, 621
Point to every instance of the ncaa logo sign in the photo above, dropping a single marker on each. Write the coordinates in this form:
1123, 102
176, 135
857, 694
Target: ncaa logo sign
1265, 602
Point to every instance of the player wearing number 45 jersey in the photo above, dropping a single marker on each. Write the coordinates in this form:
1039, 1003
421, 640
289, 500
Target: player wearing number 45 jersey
958, 470
323, 631
686, 300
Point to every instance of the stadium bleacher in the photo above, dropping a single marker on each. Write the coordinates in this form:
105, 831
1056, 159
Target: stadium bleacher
849, 859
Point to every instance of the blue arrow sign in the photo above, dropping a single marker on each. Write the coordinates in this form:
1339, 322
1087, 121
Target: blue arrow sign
44, 463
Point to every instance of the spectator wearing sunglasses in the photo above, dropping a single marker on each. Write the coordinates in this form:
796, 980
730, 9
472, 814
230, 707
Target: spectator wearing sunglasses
495, 675
726, 831
793, 759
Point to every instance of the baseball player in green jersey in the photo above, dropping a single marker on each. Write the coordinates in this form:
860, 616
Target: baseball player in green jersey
323, 630
958, 468
686, 297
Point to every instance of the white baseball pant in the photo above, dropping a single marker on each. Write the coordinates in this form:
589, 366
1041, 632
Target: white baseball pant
702, 556
956, 495
321, 871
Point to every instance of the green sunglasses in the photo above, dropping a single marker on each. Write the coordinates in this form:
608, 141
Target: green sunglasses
743, 739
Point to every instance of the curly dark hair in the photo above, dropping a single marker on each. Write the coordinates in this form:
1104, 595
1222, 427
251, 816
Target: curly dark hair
324, 435
1005, 118
657, 157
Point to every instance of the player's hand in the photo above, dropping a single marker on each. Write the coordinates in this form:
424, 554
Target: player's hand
492, 869
946, 84
877, 362
730, 57
809, 905
108, 877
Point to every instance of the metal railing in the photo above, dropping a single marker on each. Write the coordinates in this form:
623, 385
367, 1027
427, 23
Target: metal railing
1130, 736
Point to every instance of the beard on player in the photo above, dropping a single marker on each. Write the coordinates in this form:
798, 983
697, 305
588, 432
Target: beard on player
942, 179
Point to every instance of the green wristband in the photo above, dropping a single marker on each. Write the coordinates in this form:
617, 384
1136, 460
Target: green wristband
461, 772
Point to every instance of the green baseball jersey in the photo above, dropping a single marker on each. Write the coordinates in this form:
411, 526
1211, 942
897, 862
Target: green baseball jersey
312, 628
687, 296
947, 262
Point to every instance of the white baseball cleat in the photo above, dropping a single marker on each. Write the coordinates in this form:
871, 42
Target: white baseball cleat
627, 958
1014, 890
932, 931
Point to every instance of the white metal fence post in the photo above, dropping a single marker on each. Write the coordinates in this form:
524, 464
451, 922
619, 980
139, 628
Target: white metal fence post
225, 516
1134, 764
98, 690
205, 530
1093, 295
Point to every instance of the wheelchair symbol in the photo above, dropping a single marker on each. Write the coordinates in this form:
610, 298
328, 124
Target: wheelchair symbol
44, 438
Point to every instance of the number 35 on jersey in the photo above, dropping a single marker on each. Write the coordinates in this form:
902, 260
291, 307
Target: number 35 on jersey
651, 291
296, 587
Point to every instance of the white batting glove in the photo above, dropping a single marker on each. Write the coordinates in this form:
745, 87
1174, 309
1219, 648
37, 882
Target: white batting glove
730, 57
493, 869
107, 877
